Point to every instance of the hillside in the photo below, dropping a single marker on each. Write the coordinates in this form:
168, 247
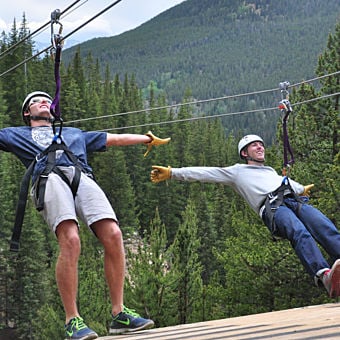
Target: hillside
218, 47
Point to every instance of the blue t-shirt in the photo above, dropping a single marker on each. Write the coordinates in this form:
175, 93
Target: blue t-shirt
27, 142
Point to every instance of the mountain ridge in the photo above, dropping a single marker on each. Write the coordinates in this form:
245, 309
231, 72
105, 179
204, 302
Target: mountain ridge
219, 47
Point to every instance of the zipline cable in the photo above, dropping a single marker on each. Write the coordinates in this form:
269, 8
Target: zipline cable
175, 105
317, 78
94, 17
164, 107
219, 115
25, 61
65, 37
196, 101
36, 31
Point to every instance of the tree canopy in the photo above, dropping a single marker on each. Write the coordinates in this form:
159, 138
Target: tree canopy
190, 245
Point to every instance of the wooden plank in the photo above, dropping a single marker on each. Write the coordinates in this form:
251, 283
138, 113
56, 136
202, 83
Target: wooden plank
312, 322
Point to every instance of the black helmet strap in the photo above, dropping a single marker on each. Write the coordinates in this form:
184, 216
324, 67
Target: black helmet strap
47, 119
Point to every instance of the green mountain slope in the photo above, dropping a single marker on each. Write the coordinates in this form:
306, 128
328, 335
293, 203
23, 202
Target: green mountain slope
220, 47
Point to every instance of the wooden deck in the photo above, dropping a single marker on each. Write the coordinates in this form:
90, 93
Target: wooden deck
314, 322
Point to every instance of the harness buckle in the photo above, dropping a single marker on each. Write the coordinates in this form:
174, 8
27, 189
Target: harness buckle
38, 157
57, 135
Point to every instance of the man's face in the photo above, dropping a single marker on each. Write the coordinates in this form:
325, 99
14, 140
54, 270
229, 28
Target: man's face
39, 106
255, 151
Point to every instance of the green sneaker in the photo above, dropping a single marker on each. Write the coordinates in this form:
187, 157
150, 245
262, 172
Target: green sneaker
76, 329
129, 321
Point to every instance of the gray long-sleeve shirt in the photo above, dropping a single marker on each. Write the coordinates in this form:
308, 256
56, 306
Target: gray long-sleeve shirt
252, 182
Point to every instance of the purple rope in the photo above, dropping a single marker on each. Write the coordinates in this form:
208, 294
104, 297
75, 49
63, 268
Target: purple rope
55, 109
286, 145
286, 108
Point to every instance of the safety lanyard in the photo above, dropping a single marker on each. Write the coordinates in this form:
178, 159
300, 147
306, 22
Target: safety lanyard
57, 43
55, 111
286, 109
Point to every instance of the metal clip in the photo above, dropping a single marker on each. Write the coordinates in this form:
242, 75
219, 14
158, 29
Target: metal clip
285, 106
56, 38
57, 135
284, 89
286, 170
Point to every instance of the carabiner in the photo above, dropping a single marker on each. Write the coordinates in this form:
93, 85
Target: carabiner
57, 136
285, 108
284, 89
56, 38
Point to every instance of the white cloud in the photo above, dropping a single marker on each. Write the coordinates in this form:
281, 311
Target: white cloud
122, 17
3, 25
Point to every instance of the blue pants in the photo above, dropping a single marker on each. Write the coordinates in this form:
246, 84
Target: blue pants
305, 226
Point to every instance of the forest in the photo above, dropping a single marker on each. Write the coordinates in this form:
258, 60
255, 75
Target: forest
221, 48
195, 251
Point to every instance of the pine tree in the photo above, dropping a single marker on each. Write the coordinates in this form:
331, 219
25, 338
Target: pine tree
150, 280
187, 268
112, 175
316, 133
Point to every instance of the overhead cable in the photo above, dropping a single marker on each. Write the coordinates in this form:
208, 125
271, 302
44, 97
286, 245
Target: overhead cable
35, 32
198, 101
91, 19
65, 37
219, 115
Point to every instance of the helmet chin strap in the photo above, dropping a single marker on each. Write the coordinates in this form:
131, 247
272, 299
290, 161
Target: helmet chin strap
248, 158
47, 119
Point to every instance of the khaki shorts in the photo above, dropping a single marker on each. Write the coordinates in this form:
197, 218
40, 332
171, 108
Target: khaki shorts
90, 204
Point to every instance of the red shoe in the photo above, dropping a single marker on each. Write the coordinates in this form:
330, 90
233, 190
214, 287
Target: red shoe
331, 280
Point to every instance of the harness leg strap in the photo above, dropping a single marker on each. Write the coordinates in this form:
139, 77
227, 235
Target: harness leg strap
21, 206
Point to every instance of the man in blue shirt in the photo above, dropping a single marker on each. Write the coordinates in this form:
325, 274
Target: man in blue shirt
62, 203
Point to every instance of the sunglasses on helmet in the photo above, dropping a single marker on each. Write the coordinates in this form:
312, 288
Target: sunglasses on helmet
36, 100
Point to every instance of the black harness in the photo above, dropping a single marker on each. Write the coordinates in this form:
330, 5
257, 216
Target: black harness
51, 166
276, 199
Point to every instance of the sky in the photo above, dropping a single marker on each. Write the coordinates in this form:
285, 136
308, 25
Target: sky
126, 15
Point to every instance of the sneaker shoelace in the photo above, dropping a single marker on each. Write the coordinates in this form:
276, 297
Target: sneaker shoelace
131, 312
78, 323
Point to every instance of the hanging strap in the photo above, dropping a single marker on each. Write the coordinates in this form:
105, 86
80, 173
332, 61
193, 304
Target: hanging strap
286, 109
57, 43
55, 107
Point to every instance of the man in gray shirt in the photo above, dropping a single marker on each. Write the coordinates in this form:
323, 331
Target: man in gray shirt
280, 202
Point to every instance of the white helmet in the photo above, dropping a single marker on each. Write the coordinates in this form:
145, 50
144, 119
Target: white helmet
27, 100
246, 140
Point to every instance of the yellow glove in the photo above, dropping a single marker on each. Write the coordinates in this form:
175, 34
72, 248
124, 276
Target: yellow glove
160, 173
307, 190
155, 141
